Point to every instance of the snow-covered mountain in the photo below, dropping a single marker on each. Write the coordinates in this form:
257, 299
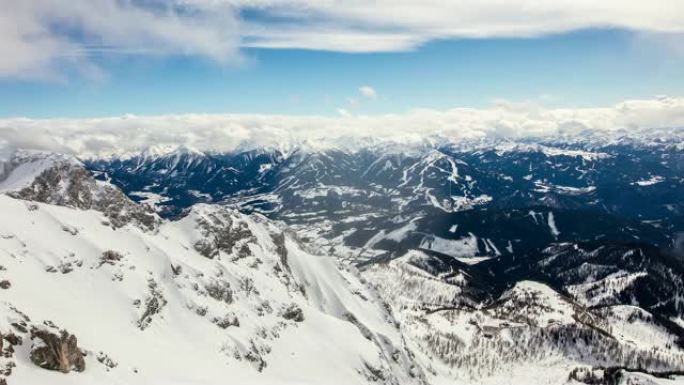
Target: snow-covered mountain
214, 295
490, 263
445, 176
345, 199
62, 180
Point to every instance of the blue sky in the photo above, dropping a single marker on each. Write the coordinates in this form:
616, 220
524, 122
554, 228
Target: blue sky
594, 67
572, 67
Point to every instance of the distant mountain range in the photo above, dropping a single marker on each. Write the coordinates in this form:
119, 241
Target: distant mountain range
632, 191
496, 262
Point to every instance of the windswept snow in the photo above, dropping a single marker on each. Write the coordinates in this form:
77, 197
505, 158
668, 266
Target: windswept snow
399, 234
466, 203
565, 190
552, 225
549, 151
149, 197
650, 182
457, 248
214, 318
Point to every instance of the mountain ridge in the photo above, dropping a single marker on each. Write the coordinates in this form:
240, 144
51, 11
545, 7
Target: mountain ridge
421, 294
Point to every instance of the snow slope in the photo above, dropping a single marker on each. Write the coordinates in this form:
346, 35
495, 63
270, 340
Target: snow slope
530, 334
219, 296
216, 318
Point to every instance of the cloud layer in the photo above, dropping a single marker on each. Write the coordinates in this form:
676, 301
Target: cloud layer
126, 134
39, 38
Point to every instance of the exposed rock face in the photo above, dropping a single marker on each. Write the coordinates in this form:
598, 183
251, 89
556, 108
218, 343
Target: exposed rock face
7, 351
220, 291
615, 376
207, 248
227, 321
154, 304
12, 338
56, 351
69, 184
5, 284
279, 241
293, 313
110, 257
222, 234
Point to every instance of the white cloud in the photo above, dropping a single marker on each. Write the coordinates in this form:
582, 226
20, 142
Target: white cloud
38, 38
391, 25
368, 92
117, 135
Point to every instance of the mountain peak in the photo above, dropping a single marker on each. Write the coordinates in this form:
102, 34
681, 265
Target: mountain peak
165, 150
62, 180
22, 167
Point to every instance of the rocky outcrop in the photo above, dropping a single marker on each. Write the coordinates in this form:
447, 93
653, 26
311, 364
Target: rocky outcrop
7, 350
154, 304
220, 291
222, 234
110, 257
279, 242
293, 313
58, 352
616, 375
67, 183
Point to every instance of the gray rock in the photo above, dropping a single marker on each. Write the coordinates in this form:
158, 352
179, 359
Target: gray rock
293, 312
56, 351
69, 184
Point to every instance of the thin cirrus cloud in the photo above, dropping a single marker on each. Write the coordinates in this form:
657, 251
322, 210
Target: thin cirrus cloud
128, 134
39, 38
